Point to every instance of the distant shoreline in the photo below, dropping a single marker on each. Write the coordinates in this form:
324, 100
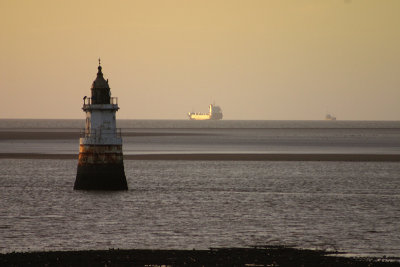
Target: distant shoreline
226, 157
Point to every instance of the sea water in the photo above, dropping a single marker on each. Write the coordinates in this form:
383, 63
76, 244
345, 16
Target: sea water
346, 206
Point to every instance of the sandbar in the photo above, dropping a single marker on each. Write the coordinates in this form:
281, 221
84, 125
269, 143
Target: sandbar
226, 156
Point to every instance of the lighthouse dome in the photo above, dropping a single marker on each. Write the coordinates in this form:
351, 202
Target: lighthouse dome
100, 89
100, 82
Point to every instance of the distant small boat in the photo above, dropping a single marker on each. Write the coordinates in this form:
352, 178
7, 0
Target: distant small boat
215, 113
329, 117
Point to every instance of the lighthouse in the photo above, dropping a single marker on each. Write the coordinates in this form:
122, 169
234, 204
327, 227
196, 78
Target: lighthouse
100, 165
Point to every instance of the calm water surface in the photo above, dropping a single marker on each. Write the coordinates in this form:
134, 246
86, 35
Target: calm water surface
349, 206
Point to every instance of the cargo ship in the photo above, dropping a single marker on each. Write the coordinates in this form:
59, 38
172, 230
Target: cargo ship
215, 113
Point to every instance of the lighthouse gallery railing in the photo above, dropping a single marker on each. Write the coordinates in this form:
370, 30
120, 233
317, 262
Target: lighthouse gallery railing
88, 101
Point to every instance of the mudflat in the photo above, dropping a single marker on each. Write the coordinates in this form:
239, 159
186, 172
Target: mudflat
226, 157
74, 134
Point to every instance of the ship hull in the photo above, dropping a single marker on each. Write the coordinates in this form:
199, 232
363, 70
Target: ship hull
195, 117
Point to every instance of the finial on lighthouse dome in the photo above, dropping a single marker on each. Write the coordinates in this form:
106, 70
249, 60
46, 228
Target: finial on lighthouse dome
99, 68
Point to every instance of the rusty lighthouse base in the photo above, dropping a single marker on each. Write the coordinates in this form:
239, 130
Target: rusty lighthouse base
100, 167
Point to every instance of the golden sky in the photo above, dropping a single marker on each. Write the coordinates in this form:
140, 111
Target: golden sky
257, 59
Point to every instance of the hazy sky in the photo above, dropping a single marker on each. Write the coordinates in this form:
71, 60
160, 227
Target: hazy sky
264, 60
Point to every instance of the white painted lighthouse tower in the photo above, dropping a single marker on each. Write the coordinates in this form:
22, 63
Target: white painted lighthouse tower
100, 165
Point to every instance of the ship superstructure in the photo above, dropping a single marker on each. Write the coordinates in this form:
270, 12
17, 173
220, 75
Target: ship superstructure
330, 117
215, 113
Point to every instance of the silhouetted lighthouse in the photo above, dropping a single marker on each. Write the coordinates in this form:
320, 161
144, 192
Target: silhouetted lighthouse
100, 165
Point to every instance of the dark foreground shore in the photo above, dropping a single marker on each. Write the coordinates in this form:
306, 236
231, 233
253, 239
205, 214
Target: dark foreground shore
259, 256
226, 157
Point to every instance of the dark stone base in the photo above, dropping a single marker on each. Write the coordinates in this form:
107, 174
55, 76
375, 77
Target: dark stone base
101, 177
